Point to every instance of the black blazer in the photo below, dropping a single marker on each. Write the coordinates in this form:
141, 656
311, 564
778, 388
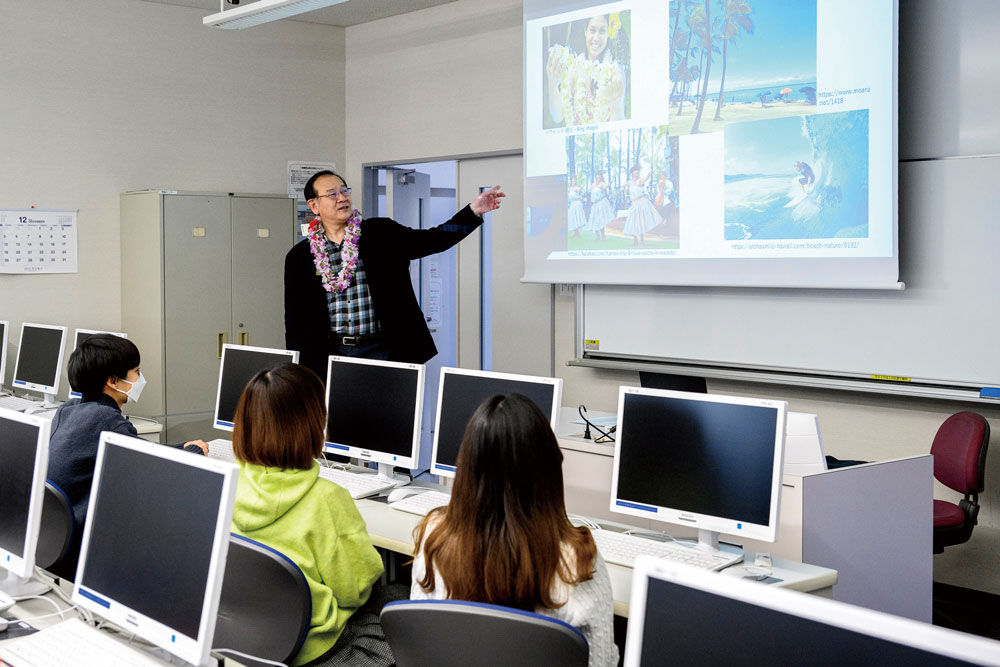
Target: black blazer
385, 248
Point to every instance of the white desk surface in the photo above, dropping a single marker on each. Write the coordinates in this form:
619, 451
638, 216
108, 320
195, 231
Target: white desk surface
143, 425
393, 530
37, 612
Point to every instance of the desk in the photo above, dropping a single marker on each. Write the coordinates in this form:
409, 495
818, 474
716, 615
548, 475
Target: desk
148, 429
393, 530
31, 609
871, 523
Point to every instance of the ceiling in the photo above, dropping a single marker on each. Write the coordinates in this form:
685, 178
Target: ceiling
352, 12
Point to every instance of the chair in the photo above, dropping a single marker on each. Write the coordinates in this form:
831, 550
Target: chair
56, 533
451, 633
266, 607
959, 450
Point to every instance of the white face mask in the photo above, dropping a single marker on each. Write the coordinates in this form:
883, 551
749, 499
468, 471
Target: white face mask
136, 389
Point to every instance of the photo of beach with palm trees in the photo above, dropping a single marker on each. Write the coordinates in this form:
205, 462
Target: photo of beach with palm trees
734, 61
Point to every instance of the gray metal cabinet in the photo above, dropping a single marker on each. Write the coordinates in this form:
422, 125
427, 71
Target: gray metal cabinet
199, 270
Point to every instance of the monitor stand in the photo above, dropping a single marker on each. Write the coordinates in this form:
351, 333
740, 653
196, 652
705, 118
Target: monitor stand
18, 587
708, 540
50, 401
385, 471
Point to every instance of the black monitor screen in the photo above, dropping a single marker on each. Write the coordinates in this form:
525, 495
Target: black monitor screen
38, 356
18, 448
715, 459
152, 532
684, 625
81, 336
372, 407
462, 394
239, 367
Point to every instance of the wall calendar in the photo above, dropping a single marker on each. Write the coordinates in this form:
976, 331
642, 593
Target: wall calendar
38, 241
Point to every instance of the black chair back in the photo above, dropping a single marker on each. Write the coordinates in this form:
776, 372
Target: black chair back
266, 606
450, 633
57, 529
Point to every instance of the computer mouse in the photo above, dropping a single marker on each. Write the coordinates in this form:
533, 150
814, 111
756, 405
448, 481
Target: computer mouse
404, 492
3, 624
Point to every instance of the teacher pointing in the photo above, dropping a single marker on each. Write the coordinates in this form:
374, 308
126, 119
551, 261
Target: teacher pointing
347, 286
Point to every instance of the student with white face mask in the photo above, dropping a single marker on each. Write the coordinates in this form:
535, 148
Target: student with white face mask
105, 370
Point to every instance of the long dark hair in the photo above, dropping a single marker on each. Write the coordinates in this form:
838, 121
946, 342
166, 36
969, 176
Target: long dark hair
505, 537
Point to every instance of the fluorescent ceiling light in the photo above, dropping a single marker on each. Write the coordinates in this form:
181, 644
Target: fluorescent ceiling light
263, 11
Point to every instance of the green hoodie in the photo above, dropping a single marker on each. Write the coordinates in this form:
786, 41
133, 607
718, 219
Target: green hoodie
316, 524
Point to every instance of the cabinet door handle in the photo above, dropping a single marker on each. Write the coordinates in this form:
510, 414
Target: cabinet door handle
244, 338
223, 339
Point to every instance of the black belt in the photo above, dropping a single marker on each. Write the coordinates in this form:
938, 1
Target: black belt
356, 341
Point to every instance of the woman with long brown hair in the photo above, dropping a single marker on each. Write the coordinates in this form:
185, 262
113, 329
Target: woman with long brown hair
505, 538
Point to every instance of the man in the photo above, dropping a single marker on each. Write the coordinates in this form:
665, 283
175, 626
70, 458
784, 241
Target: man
347, 286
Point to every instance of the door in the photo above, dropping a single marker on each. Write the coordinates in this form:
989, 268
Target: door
197, 292
408, 201
263, 232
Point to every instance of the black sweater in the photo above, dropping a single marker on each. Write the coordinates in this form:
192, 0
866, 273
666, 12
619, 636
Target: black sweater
385, 248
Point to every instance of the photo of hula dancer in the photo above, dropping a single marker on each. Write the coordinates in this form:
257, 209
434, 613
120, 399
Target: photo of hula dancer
625, 185
601, 213
586, 71
576, 219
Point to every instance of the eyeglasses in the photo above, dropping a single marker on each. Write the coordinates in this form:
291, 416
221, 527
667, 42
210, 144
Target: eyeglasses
336, 193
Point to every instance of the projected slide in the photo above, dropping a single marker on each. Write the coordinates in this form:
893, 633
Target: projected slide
698, 142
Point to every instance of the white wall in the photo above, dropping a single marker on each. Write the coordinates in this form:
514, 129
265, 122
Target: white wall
440, 82
111, 95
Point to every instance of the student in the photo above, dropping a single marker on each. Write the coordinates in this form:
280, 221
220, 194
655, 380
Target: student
105, 369
505, 539
281, 502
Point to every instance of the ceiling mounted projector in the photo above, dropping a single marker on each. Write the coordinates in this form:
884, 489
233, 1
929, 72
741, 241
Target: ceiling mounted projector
263, 11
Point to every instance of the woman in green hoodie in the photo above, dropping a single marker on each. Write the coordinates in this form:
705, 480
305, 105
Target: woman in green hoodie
281, 502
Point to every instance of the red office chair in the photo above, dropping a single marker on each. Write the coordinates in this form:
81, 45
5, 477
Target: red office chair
959, 451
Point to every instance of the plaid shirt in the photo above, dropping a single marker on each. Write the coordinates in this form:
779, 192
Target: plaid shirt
352, 312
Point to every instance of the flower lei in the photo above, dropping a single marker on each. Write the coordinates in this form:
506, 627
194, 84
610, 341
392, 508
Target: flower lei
348, 254
584, 87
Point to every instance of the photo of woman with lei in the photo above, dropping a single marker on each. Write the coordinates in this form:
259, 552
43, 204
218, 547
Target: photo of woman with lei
586, 71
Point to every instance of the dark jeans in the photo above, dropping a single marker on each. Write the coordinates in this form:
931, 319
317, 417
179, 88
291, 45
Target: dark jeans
376, 350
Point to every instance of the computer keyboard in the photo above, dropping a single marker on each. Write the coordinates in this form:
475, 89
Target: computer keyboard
222, 450
359, 485
422, 503
17, 403
73, 642
622, 549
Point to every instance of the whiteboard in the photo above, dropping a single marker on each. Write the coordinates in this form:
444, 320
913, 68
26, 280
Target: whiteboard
943, 328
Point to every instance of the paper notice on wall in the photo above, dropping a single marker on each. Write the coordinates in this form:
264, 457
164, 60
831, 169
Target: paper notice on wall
38, 241
435, 296
299, 173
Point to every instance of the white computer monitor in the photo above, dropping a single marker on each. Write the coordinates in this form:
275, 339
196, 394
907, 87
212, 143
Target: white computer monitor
238, 366
374, 410
461, 391
803, 447
40, 358
153, 557
80, 335
682, 616
700, 460
24, 460
4, 327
